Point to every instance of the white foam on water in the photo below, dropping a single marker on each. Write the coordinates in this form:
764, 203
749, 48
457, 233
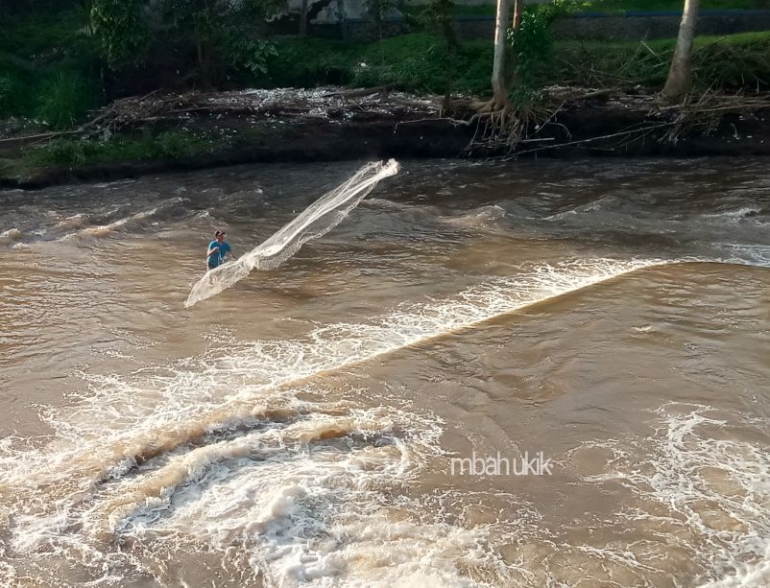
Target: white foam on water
105, 230
478, 218
701, 487
749, 254
310, 515
314, 222
735, 215
263, 365
643, 329
755, 575
219, 453
72, 222
593, 206
10, 235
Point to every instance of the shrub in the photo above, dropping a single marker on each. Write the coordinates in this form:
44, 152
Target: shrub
65, 98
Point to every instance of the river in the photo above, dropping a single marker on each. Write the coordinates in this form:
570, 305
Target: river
488, 375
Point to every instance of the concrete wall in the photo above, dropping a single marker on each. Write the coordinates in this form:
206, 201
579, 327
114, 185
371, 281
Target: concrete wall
338, 10
631, 27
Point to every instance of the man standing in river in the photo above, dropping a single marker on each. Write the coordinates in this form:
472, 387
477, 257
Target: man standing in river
218, 250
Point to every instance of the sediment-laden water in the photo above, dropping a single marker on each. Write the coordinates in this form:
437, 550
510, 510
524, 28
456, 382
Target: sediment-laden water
358, 415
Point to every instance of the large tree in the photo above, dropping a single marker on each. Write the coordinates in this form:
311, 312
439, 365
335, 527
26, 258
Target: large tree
499, 77
514, 45
518, 11
215, 31
120, 28
504, 59
303, 19
679, 82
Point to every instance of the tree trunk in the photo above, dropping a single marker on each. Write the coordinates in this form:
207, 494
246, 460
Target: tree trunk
499, 88
679, 82
511, 74
518, 10
303, 19
199, 50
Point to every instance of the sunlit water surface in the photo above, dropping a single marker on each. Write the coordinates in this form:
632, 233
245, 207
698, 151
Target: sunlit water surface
306, 427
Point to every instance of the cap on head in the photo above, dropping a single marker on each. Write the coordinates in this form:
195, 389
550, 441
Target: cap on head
219, 233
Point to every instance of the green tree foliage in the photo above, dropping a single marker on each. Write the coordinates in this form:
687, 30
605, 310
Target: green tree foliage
438, 14
532, 47
65, 99
9, 90
218, 32
121, 28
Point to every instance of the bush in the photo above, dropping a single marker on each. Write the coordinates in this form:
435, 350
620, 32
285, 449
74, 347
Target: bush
416, 61
730, 63
734, 63
172, 145
36, 34
61, 152
422, 63
65, 98
309, 62
11, 91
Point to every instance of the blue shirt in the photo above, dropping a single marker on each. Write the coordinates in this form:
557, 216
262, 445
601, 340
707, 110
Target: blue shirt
218, 256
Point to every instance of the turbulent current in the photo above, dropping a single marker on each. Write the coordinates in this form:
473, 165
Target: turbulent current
489, 375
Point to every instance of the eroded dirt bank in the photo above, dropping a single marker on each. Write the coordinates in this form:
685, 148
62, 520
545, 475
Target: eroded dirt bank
333, 124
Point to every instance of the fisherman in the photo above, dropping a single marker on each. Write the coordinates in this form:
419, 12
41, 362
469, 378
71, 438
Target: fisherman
218, 250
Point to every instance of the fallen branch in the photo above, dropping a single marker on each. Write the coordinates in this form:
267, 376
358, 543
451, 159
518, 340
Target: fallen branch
360, 92
454, 121
625, 133
39, 137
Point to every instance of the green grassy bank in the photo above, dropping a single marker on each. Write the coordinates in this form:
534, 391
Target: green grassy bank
51, 72
618, 7
60, 85
420, 63
50, 69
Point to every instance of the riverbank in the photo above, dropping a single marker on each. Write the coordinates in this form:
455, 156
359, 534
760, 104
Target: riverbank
157, 133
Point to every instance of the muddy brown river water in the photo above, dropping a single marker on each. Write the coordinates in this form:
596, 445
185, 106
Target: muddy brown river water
488, 375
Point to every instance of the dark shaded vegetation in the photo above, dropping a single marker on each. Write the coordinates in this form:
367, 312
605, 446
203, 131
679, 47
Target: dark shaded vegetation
74, 153
55, 70
49, 68
419, 62
58, 65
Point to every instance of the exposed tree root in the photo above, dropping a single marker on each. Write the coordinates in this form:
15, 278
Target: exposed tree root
562, 117
504, 128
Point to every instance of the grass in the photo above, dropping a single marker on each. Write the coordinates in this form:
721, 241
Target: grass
730, 63
14, 96
616, 6
676, 5
49, 69
322, 60
75, 153
419, 63
65, 98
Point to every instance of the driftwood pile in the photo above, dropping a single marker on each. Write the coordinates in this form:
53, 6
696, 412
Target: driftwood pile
321, 103
521, 132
